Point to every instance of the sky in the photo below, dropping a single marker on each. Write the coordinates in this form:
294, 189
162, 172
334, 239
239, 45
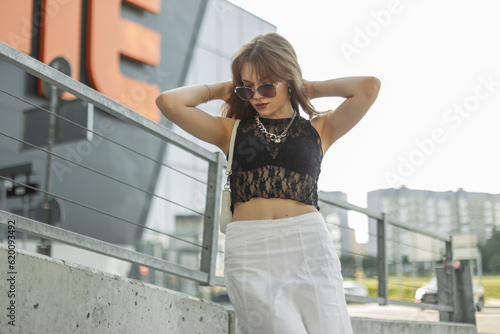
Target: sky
435, 124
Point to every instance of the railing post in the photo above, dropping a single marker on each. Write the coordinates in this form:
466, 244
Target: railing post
448, 256
45, 246
455, 289
446, 283
3, 196
383, 268
446, 291
465, 309
210, 243
3, 207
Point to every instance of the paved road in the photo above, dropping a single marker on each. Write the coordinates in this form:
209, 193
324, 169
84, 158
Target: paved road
487, 321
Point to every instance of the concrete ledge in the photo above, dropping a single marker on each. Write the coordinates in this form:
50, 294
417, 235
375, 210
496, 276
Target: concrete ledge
379, 326
53, 296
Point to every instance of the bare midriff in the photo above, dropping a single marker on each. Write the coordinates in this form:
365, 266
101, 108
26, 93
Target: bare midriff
270, 208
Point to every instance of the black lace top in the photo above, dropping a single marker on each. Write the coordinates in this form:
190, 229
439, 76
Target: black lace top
287, 170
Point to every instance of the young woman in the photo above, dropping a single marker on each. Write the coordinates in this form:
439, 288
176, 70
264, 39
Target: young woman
281, 270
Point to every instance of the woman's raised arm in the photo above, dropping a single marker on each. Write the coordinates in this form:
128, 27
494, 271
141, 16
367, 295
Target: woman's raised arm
360, 93
180, 106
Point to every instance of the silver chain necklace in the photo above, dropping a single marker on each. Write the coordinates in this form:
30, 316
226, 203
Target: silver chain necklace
271, 136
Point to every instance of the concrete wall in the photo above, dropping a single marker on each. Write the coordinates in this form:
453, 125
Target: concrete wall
52, 296
377, 326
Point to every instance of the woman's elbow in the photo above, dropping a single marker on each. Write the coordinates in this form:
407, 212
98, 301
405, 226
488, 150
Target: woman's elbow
164, 104
372, 86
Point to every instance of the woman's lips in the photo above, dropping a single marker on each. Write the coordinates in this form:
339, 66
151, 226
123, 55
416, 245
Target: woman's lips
261, 105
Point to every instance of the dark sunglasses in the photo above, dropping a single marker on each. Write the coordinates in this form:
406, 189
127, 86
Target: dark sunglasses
266, 90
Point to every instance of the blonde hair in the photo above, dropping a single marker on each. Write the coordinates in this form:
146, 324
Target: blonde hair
271, 56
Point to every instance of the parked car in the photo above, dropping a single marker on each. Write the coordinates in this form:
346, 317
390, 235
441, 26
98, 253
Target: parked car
478, 296
428, 294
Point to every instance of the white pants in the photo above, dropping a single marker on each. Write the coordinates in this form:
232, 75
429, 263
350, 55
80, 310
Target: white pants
283, 277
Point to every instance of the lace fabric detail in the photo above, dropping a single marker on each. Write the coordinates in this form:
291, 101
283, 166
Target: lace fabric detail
287, 170
274, 182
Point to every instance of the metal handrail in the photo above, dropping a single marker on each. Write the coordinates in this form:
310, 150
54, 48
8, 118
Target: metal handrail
66, 83
74, 239
215, 160
382, 222
328, 199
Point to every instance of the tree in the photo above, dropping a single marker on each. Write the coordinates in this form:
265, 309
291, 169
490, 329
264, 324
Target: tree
491, 253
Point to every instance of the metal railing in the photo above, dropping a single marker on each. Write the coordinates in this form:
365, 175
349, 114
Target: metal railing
206, 273
382, 241
216, 162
